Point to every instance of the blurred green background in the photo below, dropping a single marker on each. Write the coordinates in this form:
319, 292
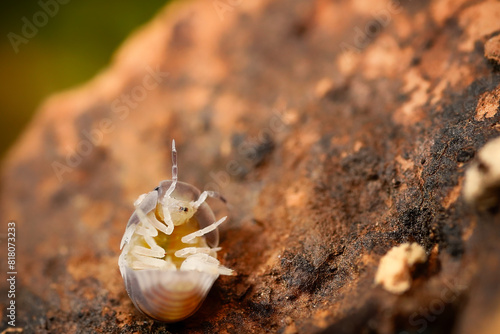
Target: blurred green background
69, 49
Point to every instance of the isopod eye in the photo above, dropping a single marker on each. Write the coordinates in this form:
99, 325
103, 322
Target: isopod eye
183, 209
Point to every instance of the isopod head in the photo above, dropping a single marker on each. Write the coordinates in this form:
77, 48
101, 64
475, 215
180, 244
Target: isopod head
169, 250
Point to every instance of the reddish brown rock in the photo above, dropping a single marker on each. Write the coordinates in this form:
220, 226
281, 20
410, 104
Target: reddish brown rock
492, 49
336, 130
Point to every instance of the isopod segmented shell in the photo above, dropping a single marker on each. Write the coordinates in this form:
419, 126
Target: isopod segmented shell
169, 250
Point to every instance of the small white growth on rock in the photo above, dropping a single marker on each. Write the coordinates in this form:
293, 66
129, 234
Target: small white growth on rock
394, 271
482, 179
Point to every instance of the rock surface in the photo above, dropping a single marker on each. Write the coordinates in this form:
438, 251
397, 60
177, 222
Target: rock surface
336, 130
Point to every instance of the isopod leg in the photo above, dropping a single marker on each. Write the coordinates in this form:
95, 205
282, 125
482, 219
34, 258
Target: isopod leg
204, 196
200, 200
147, 228
190, 238
216, 195
168, 220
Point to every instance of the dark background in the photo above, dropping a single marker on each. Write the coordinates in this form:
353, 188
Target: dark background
74, 45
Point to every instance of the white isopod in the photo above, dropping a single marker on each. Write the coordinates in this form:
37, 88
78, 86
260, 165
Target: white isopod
169, 250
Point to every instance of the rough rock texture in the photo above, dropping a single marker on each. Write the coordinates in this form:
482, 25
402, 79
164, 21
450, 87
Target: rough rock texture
492, 49
335, 129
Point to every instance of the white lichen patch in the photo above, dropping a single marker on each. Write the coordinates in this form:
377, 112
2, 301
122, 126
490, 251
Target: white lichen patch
394, 271
482, 179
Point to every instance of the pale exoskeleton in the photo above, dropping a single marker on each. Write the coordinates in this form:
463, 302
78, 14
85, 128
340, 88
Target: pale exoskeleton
169, 250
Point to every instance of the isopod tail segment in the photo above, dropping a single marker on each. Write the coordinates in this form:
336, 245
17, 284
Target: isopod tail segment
169, 249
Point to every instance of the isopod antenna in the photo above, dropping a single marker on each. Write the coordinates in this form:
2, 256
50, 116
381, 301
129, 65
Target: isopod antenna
174, 172
174, 162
